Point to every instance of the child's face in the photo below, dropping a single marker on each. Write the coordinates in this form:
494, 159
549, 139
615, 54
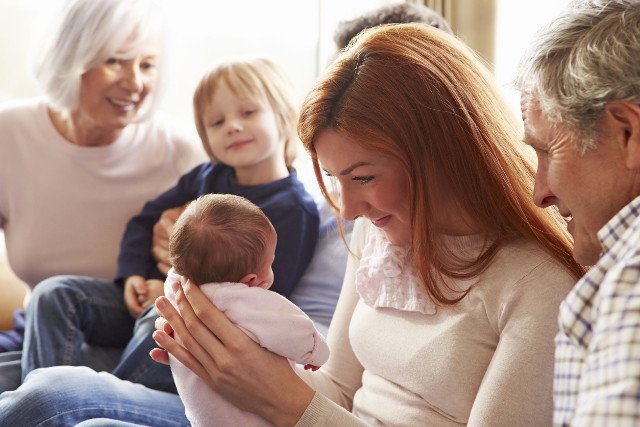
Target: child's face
242, 132
265, 273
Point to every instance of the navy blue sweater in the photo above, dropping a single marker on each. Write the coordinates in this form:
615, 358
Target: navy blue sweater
286, 203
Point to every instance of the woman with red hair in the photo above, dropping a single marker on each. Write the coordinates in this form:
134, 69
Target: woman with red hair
448, 311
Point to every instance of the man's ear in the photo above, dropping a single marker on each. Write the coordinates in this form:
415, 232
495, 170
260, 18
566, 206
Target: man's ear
250, 279
625, 127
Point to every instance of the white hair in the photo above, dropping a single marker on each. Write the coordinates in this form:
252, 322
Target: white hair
583, 59
90, 31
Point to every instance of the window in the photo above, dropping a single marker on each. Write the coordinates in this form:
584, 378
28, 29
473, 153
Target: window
516, 23
296, 34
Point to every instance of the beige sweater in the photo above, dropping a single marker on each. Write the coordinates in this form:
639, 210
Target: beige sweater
486, 361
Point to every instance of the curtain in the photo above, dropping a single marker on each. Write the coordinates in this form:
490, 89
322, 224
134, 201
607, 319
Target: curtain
473, 21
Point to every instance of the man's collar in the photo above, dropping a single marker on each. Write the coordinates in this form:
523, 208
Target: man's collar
616, 226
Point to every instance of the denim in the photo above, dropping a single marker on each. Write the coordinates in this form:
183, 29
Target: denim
95, 358
78, 320
136, 365
9, 370
105, 422
65, 312
68, 395
12, 340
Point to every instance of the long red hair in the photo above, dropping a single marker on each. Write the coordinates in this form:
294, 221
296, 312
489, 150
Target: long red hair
421, 97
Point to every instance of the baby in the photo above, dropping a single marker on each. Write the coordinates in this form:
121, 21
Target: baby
226, 245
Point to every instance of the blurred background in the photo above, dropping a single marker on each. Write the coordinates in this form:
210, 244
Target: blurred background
295, 33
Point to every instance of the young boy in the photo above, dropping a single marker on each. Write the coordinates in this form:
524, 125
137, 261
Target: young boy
226, 245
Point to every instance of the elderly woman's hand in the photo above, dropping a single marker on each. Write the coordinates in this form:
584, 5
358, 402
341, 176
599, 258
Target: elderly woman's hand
232, 364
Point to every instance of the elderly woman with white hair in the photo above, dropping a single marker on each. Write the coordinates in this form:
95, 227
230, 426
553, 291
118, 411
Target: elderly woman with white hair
76, 165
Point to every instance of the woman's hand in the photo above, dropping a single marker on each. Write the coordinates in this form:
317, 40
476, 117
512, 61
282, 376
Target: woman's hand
161, 232
233, 365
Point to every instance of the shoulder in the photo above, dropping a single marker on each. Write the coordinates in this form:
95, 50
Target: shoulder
298, 187
617, 273
291, 194
21, 110
522, 260
26, 130
523, 276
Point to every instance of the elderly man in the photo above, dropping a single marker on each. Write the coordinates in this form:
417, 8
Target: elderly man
580, 88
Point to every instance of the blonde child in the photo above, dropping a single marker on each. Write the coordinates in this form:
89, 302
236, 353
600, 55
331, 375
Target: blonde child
246, 119
226, 244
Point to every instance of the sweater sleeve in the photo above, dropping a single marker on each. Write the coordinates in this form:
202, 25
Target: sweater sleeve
518, 383
341, 376
135, 256
297, 228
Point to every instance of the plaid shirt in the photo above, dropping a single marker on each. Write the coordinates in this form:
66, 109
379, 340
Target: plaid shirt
597, 368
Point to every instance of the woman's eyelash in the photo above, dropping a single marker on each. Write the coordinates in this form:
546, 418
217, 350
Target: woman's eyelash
363, 179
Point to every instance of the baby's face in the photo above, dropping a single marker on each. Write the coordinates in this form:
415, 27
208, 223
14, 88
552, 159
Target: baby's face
265, 272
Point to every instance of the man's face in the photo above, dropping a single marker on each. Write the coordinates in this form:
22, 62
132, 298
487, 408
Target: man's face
588, 189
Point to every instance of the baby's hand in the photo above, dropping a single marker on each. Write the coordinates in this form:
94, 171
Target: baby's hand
312, 367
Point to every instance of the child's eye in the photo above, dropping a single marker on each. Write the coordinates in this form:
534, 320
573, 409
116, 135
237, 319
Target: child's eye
217, 123
248, 113
363, 180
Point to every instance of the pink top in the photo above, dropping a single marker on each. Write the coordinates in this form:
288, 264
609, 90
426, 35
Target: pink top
270, 320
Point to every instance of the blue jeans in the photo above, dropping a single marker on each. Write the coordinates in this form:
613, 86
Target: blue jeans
69, 313
12, 340
9, 370
68, 395
136, 365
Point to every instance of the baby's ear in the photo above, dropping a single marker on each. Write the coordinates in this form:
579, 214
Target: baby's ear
250, 279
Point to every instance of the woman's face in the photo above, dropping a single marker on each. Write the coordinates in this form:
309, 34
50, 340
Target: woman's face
111, 93
371, 185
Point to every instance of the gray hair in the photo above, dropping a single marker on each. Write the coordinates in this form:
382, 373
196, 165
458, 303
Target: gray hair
87, 33
583, 59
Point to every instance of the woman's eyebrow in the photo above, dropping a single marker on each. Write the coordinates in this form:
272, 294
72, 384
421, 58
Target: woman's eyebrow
350, 169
